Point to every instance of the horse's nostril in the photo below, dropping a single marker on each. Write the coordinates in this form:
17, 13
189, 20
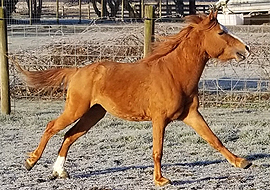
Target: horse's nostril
247, 48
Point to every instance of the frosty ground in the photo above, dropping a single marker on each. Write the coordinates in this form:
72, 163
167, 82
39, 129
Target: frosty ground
117, 154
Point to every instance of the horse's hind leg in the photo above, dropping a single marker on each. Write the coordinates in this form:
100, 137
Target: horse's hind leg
89, 119
72, 112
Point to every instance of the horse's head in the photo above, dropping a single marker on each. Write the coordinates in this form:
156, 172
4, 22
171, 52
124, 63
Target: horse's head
218, 42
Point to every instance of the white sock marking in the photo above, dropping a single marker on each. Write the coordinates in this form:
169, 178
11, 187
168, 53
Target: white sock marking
59, 164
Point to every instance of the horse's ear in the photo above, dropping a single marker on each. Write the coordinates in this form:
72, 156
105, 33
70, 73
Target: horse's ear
210, 16
213, 15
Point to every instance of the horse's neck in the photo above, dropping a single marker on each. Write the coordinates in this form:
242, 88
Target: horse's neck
186, 63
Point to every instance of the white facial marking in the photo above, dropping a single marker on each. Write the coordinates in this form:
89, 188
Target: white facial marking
59, 164
222, 27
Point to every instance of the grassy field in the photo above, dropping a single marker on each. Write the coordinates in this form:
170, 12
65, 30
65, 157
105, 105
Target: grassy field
117, 154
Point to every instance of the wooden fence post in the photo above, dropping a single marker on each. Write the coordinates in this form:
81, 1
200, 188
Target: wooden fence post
30, 12
89, 11
142, 8
192, 7
122, 10
57, 11
160, 9
5, 93
148, 28
102, 12
80, 11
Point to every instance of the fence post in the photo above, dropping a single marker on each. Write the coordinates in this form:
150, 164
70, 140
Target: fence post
148, 28
30, 12
122, 10
102, 12
142, 8
192, 7
63, 11
89, 11
5, 93
160, 9
57, 11
80, 11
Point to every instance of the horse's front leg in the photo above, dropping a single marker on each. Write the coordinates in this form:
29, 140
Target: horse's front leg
194, 119
158, 137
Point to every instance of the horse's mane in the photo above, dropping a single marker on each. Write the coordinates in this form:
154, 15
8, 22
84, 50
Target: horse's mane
169, 43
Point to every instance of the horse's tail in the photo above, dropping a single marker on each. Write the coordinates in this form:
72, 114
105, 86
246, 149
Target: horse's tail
48, 80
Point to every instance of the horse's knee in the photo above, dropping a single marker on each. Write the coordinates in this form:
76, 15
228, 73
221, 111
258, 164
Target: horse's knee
50, 126
157, 156
53, 127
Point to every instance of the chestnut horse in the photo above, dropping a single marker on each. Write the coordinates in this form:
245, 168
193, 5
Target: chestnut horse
161, 87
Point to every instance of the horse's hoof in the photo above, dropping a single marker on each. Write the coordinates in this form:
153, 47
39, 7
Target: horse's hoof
53, 176
27, 165
245, 164
162, 182
63, 175
241, 163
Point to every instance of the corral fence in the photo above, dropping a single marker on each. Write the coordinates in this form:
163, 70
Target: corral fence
85, 11
63, 11
230, 84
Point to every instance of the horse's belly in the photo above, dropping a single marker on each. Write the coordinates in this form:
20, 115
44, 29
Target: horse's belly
132, 117
126, 110
128, 113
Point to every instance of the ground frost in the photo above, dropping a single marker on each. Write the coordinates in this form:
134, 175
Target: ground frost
114, 155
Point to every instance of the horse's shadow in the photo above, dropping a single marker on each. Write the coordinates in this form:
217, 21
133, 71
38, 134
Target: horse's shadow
257, 156
199, 163
124, 168
252, 157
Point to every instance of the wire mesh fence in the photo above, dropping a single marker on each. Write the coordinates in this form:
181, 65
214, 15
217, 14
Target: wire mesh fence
20, 11
227, 84
85, 11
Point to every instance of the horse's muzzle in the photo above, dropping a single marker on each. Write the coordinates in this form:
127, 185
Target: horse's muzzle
242, 55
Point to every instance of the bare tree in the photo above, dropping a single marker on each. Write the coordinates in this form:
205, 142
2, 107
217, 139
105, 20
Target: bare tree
114, 7
179, 5
36, 6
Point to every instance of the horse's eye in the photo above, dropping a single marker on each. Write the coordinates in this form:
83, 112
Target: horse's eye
222, 32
